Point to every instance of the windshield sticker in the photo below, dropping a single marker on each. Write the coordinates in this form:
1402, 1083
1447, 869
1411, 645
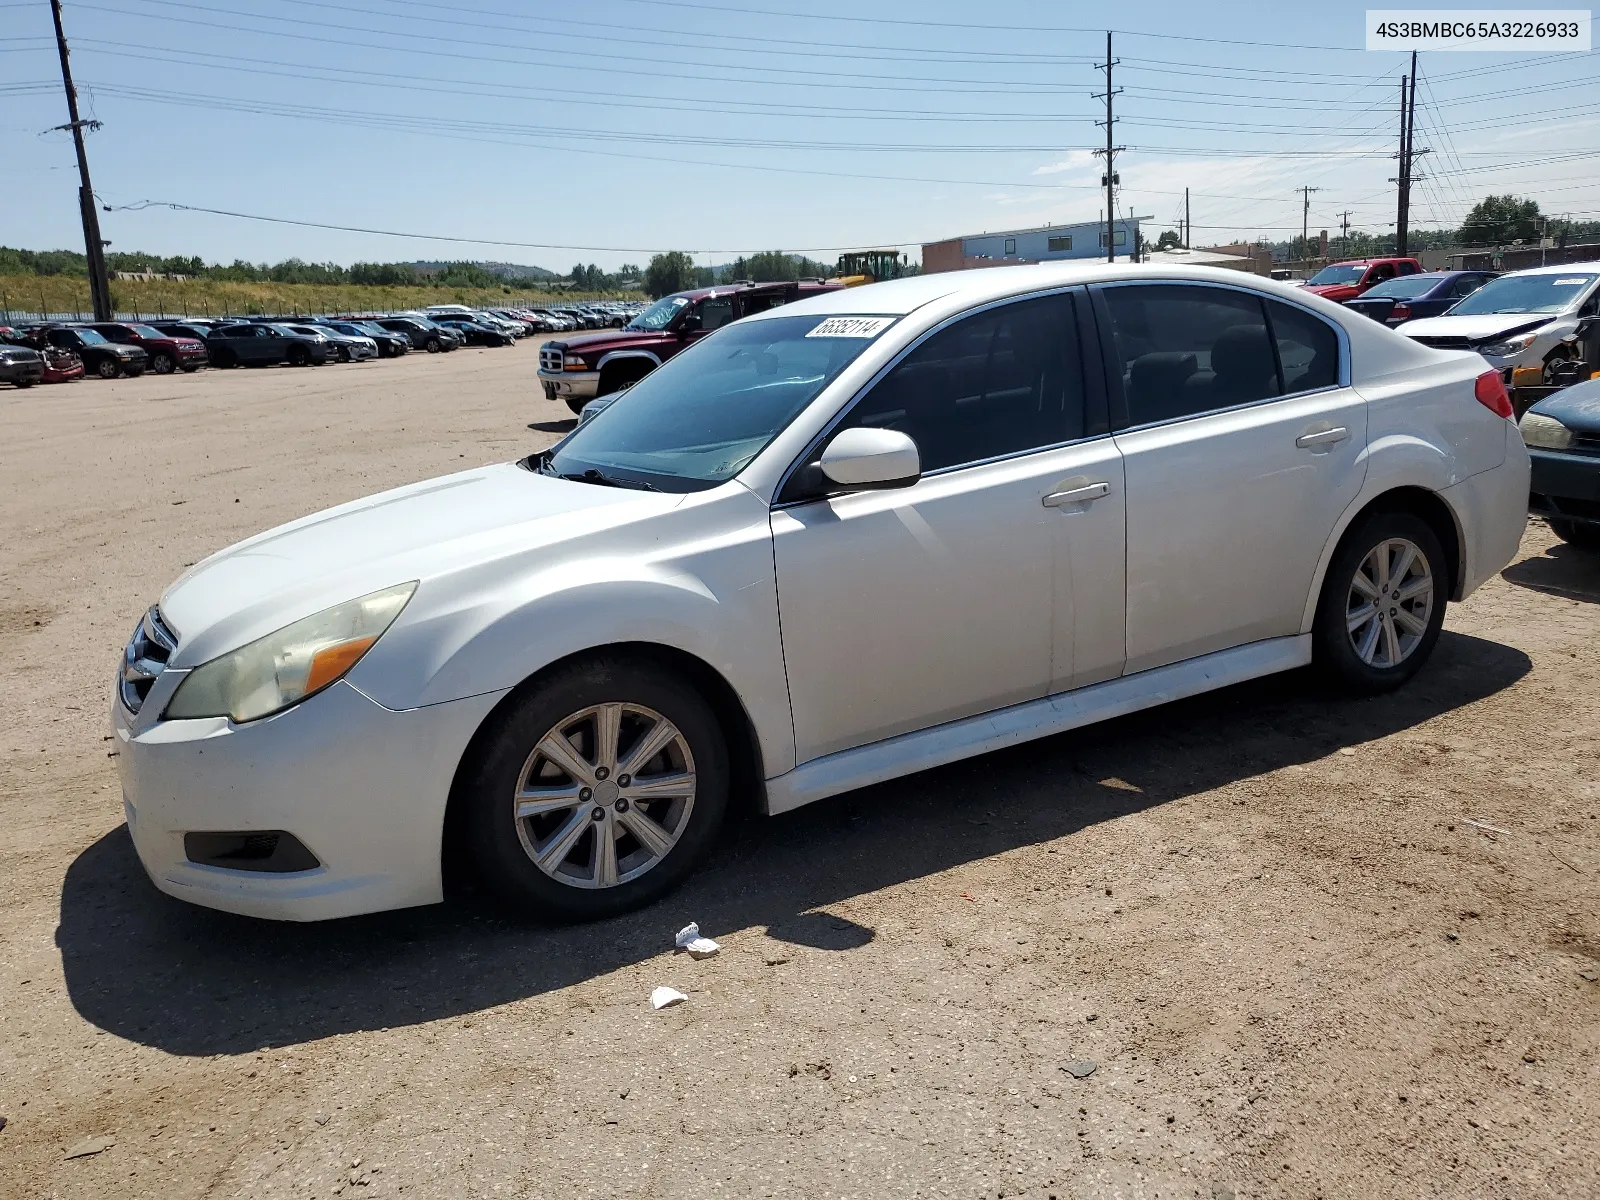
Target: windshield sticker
1577, 282
851, 327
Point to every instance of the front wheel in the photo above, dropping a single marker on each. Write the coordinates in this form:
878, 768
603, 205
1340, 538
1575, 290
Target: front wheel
1574, 533
431, 345
1382, 603
576, 403
299, 356
162, 364
108, 368
597, 792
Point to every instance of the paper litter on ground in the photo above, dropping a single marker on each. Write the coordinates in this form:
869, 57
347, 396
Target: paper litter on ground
699, 947
664, 996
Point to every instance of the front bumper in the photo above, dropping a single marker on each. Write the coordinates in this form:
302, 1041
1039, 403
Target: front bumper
580, 385
364, 787
23, 372
1565, 486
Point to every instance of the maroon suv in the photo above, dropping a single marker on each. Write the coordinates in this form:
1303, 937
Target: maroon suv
168, 352
581, 366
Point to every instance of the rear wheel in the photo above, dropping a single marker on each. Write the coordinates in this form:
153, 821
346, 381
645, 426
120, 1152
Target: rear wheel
597, 792
162, 364
1382, 603
1574, 533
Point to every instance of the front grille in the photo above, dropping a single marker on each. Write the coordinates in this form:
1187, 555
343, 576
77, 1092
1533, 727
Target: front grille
149, 650
1443, 343
551, 360
1586, 443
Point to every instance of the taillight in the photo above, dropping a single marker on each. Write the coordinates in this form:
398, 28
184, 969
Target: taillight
1490, 390
1400, 312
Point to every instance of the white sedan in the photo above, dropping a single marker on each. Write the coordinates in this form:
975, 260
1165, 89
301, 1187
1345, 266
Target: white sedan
852, 538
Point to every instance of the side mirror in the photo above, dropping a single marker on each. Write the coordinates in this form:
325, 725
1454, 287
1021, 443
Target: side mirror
871, 458
689, 324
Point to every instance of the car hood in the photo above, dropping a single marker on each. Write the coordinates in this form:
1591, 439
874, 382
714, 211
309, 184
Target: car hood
419, 532
611, 338
1477, 328
1576, 407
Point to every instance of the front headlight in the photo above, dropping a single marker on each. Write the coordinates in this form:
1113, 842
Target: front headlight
1510, 346
284, 668
1547, 433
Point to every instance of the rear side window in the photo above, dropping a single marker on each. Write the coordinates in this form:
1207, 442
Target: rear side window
999, 382
1308, 348
1187, 350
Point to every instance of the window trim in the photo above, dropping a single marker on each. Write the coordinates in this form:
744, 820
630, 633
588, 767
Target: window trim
1096, 412
1120, 422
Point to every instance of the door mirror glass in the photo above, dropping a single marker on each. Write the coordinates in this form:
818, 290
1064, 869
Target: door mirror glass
871, 458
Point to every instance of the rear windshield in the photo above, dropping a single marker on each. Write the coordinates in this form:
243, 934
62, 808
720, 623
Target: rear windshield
1526, 294
1405, 288
701, 418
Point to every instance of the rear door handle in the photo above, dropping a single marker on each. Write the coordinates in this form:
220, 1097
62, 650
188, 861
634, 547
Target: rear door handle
1323, 437
1077, 495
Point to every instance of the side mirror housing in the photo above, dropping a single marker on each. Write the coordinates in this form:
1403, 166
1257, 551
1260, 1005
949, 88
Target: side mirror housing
864, 459
689, 324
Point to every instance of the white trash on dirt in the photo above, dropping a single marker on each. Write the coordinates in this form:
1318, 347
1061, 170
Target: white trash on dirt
662, 997
698, 947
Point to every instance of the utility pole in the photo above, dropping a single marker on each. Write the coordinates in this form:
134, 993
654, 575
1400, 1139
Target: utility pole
1188, 229
1110, 179
1344, 236
94, 248
1408, 156
1305, 231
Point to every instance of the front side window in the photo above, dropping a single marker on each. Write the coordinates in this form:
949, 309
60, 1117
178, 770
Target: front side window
1548, 293
999, 382
700, 418
1187, 350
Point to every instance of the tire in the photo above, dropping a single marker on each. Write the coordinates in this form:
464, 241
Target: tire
507, 759
24, 383
431, 345
299, 356
576, 403
1363, 659
108, 368
162, 364
1574, 533
345, 355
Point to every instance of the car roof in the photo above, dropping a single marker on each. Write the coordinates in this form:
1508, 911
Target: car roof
1558, 269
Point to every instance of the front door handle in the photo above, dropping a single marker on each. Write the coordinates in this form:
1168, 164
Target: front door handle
1322, 438
1077, 495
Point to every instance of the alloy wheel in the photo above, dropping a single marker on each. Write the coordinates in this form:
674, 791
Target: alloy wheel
1390, 602
605, 795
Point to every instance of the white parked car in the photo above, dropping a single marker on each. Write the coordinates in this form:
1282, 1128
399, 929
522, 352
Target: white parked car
844, 540
1524, 319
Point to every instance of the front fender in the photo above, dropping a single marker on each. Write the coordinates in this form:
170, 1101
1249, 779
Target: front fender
698, 580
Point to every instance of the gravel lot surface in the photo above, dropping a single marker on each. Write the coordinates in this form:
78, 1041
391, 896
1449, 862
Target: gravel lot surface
1263, 916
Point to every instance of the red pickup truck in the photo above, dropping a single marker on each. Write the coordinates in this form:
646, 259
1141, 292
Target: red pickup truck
1346, 280
580, 366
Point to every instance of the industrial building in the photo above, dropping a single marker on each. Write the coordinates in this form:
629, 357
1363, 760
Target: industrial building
1047, 243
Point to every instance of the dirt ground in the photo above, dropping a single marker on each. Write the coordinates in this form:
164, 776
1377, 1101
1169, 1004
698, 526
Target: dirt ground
1265, 916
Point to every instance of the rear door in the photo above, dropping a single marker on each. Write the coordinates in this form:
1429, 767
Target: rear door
1242, 444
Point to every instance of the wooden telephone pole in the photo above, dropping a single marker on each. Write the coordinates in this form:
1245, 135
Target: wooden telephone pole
93, 247
1110, 179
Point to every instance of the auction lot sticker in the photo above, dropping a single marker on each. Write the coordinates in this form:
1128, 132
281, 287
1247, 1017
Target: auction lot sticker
1536, 30
852, 327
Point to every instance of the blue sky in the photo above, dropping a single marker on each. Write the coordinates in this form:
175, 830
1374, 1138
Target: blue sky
634, 126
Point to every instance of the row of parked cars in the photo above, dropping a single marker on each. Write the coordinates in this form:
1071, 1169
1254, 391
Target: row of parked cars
53, 353
1536, 320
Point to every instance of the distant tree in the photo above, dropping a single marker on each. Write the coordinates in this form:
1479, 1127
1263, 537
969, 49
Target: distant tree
630, 273
1501, 219
1168, 240
671, 272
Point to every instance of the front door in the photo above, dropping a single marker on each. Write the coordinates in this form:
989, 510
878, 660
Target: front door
1242, 449
969, 590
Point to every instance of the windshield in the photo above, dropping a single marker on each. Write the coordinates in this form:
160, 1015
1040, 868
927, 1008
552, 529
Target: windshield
659, 314
698, 420
1404, 289
146, 331
1339, 273
1525, 294
89, 336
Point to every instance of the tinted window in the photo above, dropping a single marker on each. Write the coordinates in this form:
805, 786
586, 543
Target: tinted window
716, 312
1308, 348
999, 382
1188, 350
